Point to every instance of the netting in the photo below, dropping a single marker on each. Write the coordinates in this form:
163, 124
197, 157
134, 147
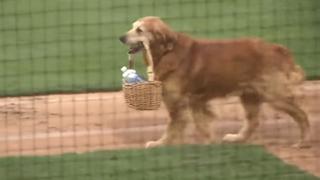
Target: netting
62, 111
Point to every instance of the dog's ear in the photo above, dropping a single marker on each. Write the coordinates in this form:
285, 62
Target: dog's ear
166, 38
170, 40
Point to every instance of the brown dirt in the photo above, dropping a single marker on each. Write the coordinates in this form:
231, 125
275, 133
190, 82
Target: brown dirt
54, 124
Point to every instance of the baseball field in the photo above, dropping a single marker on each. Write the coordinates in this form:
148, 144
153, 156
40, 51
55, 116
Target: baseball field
95, 136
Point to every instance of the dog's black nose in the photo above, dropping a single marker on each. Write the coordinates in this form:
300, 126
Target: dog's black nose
123, 39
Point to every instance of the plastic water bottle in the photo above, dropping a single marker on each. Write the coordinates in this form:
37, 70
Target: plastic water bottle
130, 75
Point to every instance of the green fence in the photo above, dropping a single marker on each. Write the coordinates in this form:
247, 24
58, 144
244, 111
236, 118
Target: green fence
72, 45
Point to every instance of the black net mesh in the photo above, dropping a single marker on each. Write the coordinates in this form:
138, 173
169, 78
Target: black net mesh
62, 111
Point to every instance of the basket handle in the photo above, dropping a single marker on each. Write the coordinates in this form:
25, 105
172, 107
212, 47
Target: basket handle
150, 68
150, 71
130, 61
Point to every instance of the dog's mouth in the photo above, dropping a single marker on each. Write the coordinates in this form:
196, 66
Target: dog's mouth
135, 48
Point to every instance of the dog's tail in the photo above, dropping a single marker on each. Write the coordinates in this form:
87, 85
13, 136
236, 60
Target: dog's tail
297, 75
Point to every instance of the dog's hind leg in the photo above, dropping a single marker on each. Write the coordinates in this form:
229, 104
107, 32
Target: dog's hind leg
279, 95
203, 118
288, 106
252, 104
180, 115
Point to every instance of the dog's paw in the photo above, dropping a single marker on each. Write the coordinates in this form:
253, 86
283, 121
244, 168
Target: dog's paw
301, 145
233, 138
152, 144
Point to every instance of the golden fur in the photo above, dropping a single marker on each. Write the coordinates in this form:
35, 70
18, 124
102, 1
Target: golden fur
195, 71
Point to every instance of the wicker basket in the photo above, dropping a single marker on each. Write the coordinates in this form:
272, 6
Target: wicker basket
143, 96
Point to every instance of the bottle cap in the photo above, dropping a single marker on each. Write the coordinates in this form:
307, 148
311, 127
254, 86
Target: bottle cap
123, 69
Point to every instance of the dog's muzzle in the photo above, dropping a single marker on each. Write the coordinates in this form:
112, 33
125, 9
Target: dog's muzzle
133, 48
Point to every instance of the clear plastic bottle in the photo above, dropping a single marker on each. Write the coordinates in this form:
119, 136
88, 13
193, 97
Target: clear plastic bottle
130, 75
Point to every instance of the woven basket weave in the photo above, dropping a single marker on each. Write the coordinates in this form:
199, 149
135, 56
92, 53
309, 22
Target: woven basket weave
143, 96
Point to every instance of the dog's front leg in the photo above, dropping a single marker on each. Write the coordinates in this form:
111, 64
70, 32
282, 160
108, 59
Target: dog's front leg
180, 115
203, 120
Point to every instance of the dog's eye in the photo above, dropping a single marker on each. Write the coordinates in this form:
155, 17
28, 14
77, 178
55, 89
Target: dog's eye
139, 30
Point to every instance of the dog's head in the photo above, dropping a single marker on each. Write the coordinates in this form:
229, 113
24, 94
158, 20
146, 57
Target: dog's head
146, 32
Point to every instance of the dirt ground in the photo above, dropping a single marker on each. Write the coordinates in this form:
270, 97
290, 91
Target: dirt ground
54, 124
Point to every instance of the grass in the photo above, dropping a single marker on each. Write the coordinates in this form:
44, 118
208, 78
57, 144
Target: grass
72, 45
227, 162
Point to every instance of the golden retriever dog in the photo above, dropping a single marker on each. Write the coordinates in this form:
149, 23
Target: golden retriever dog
195, 71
